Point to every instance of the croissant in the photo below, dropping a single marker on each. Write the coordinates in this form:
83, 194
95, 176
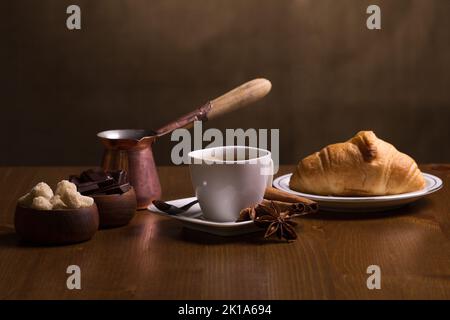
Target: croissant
361, 166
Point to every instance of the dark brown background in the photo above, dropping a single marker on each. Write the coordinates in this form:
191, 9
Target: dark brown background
138, 64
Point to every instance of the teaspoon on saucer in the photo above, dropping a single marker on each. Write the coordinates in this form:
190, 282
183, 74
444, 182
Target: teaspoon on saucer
170, 208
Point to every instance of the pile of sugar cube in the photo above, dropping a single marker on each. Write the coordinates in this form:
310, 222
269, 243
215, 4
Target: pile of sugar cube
66, 196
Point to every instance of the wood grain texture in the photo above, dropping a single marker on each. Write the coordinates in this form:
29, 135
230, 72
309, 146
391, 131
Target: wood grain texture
155, 258
244, 95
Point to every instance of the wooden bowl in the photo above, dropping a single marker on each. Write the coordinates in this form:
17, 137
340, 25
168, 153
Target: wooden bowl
116, 210
56, 227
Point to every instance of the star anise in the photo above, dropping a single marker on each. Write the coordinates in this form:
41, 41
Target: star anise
275, 221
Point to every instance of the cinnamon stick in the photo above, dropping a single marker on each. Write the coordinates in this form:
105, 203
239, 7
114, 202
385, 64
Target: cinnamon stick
295, 205
294, 208
272, 193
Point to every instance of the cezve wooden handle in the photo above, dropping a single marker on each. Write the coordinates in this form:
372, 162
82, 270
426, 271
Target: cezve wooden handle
239, 97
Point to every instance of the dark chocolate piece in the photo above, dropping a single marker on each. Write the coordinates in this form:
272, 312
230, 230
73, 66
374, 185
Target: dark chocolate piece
74, 179
93, 175
119, 176
116, 189
97, 181
109, 181
87, 188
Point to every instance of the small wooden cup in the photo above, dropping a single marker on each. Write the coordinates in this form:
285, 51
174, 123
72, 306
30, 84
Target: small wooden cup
56, 227
116, 210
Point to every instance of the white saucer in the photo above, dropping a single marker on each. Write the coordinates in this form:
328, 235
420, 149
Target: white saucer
363, 204
193, 219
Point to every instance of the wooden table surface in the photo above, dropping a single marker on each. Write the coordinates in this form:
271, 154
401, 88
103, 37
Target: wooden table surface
155, 258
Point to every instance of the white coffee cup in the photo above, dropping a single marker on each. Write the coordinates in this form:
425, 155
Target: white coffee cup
228, 179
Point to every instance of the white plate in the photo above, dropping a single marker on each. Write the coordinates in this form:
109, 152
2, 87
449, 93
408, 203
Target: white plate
193, 219
363, 204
